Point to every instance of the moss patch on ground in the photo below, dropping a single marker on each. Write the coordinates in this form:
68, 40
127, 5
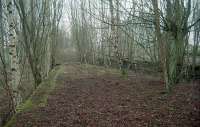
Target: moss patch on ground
72, 71
77, 71
39, 96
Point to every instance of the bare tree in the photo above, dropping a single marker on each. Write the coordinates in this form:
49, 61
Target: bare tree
14, 64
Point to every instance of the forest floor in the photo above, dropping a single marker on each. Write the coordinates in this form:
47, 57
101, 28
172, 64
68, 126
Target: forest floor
89, 96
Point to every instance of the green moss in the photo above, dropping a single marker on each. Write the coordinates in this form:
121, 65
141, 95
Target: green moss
25, 106
99, 70
11, 122
39, 96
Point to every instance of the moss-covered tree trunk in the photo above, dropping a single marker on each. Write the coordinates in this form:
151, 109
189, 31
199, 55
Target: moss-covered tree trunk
176, 29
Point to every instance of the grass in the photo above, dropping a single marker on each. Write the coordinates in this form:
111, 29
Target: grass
99, 70
39, 96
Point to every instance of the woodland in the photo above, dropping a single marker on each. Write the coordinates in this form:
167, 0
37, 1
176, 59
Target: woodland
99, 63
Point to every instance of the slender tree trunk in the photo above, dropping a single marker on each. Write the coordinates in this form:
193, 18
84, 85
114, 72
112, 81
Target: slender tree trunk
162, 45
14, 63
196, 36
114, 39
53, 36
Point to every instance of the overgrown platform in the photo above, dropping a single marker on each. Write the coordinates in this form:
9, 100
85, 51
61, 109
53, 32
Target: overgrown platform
90, 96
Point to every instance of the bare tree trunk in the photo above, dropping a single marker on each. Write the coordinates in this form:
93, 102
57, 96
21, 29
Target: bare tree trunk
14, 64
162, 45
196, 36
114, 39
